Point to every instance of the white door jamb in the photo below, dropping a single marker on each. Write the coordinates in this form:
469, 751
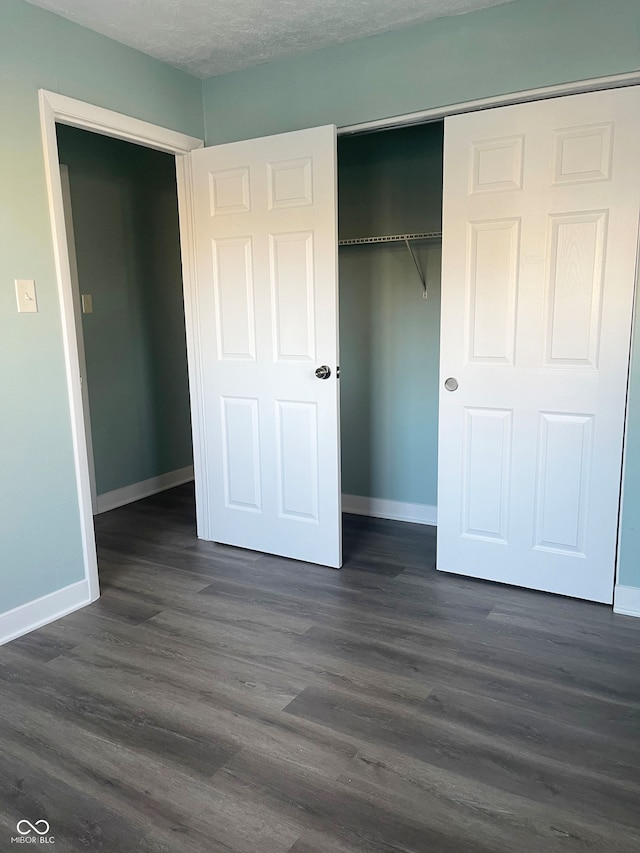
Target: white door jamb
56, 108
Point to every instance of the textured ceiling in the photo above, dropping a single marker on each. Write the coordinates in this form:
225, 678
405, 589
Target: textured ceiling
209, 37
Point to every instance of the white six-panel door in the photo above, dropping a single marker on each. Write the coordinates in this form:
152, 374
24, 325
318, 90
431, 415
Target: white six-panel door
266, 245
540, 234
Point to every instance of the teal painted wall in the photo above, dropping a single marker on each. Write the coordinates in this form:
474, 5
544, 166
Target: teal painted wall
125, 208
390, 183
520, 45
40, 547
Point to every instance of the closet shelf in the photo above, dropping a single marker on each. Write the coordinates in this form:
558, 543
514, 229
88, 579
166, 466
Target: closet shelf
391, 238
399, 238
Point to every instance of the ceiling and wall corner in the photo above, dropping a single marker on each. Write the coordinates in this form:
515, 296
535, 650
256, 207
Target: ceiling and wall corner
207, 39
527, 44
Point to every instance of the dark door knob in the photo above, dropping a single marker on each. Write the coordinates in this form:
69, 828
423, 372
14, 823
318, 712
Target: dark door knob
323, 372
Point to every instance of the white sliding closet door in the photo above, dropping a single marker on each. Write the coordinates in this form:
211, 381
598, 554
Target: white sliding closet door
540, 235
266, 242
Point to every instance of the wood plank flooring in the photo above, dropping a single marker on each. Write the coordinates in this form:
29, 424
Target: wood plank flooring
216, 700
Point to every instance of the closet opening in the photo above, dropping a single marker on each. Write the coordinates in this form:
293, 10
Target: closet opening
390, 223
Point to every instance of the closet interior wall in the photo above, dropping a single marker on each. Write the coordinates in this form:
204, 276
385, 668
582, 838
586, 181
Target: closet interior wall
390, 183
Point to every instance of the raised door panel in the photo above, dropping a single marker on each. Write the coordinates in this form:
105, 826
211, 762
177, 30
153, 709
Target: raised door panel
486, 473
229, 191
297, 451
574, 297
241, 453
234, 298
293, 296
496, 165
290, 183
492, 290
582, 154
563, 482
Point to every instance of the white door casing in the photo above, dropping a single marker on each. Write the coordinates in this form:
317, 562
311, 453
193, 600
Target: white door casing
540, 231
77, 305
265, 225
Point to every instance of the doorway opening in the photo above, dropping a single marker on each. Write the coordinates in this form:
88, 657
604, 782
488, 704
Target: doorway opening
55, 110
121, 218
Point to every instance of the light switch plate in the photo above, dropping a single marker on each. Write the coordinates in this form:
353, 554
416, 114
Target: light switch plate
26, 296
87, 303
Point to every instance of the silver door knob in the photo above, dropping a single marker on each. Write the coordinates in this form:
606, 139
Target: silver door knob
451, 384
323, 372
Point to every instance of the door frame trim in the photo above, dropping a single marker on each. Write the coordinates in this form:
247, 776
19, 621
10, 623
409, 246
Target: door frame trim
77, 302
593, 84
60, 109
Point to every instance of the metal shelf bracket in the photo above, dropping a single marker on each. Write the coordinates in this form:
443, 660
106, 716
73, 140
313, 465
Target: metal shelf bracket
399, 238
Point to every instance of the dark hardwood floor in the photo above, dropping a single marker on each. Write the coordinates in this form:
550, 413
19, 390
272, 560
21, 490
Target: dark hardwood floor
216, 700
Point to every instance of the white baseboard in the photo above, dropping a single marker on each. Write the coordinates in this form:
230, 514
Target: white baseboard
34, 614
396, 510
626, 600
137, 491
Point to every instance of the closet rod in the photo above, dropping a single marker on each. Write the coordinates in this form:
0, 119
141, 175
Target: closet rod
391, 238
